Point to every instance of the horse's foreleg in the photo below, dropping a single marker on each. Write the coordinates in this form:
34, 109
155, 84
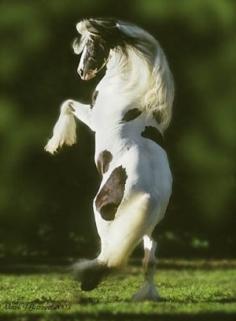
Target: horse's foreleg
148, 290
64, 131
80, 111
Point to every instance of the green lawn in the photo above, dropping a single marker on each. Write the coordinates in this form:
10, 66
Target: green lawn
189, 291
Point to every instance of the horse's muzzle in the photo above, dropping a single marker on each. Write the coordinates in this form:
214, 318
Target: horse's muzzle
87, 75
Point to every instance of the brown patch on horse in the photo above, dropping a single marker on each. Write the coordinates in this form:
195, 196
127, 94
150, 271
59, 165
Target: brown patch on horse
111, 194
94, 97
131, 114
103, 161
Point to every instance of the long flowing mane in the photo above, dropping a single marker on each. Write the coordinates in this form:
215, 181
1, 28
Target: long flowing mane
142, 50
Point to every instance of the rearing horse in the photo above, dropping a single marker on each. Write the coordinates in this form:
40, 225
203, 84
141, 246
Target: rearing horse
130, 110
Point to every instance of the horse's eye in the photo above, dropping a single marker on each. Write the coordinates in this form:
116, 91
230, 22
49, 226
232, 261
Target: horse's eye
92, 58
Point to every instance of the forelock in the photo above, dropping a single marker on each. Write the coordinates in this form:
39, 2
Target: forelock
115, 33
105, 30
82, 27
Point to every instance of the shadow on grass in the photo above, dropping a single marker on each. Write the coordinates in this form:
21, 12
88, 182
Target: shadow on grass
57, 316
64, 266
220, 300
37, 304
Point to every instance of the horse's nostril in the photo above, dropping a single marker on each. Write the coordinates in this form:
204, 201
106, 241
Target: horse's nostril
81, 72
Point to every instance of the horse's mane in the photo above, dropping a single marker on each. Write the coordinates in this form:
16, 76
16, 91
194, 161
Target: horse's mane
133, 40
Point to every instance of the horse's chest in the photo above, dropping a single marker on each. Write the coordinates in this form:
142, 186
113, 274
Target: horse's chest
104, 117
108, 140
107, 109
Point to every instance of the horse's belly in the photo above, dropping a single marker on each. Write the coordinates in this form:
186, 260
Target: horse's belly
145, 164
148, 171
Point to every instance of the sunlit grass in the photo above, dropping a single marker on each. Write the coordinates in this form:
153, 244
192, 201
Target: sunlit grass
188, 291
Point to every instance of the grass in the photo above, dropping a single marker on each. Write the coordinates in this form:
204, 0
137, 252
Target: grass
189, 291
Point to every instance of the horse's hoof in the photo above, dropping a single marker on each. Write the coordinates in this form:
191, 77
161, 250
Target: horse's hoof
89, 273
147, 293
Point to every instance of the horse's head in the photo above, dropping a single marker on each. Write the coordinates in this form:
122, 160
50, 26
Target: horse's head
93, 48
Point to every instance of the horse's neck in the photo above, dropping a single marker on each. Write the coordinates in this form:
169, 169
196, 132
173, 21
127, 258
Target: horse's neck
127, 77
122, 88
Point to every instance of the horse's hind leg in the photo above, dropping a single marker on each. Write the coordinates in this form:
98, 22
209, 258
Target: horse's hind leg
118, 239
90, 273
148, 291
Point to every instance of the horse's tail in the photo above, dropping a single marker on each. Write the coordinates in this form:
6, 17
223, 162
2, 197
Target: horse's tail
64, 131
132, 220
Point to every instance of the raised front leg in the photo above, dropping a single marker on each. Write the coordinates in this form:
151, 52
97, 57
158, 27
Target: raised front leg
148, 291
80, 111
64, 131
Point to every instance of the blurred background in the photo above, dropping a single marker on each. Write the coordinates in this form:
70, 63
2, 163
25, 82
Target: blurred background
45, 201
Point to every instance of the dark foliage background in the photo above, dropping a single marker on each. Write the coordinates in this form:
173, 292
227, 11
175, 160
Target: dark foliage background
45, 202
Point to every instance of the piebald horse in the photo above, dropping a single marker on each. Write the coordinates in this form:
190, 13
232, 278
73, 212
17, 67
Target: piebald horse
130, 110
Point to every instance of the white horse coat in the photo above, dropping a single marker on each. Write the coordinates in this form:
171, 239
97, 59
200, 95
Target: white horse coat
131, 109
